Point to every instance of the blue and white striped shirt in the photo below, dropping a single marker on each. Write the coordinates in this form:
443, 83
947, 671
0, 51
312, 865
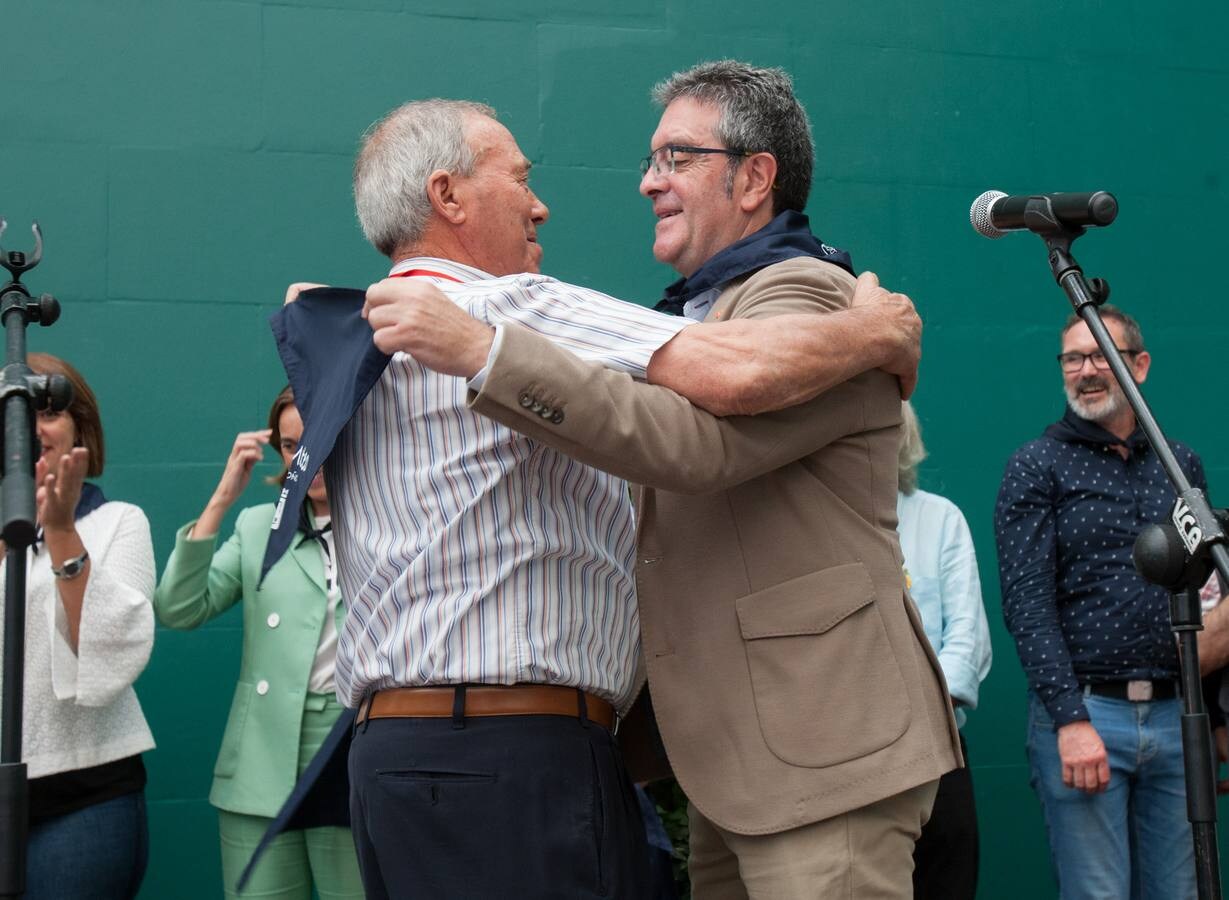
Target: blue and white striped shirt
469, 553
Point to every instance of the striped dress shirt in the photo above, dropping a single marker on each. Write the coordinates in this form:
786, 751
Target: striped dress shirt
469, 553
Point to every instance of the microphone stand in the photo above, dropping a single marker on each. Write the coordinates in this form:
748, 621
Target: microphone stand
21, 393
1201, 532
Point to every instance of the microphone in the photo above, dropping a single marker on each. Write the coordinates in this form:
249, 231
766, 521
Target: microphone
994, 213
1160, 557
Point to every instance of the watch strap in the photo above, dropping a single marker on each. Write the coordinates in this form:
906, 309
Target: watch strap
71, 567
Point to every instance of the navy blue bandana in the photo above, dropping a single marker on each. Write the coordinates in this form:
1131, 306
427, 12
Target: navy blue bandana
327, 350
91, 498
785, 237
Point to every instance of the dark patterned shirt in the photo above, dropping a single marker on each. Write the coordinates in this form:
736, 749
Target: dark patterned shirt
1068, 512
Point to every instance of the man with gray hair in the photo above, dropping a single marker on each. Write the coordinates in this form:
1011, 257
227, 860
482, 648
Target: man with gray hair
799, 703
492, 637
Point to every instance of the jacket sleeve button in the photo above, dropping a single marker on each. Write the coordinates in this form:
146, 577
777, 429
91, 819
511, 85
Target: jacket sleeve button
262, 687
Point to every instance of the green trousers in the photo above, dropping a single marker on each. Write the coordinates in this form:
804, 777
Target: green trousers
296, 860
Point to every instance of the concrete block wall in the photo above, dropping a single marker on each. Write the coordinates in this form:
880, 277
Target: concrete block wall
189, 158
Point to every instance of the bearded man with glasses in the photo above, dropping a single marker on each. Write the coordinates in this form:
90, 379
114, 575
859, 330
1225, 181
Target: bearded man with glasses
1104, 739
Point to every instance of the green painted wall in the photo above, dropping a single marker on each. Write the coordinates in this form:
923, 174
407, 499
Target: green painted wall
188, 159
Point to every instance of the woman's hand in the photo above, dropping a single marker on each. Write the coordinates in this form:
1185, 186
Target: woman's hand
244, 455
56, 498
247, 451
58, 492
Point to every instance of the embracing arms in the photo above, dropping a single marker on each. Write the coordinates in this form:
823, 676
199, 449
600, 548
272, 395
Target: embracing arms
733, 367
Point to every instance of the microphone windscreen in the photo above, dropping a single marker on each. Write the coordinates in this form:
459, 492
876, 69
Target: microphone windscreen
1160, 556
979, 214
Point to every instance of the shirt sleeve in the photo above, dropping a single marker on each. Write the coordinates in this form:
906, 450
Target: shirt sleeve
1026, 534
199, 584
964, 648
116, 632
1196, 474
593, 325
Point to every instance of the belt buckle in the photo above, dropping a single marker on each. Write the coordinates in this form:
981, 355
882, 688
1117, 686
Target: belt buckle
1139, 691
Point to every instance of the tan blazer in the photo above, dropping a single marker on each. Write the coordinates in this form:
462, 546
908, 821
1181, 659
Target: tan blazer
788, 668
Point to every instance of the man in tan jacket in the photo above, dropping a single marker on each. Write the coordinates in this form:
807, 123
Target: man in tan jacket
799, 703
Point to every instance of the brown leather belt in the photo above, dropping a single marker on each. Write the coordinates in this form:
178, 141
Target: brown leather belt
486, 700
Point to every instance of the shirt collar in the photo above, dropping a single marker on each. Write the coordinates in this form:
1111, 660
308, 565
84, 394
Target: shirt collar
456, 270
1073, 429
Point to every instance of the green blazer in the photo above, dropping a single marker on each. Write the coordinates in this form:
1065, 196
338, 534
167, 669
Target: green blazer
258, 763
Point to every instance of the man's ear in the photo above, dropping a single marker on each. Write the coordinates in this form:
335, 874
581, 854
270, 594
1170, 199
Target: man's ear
759, 171
1143, 361
442, 192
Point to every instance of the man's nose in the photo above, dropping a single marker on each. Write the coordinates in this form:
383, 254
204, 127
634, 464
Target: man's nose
539, 212
652, 183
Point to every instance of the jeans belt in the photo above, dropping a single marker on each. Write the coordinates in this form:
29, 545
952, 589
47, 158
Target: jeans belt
486, 700
1137, 691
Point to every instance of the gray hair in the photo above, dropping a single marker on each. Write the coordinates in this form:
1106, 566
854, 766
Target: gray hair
912, 451
398, 153
758, 114
1130, 328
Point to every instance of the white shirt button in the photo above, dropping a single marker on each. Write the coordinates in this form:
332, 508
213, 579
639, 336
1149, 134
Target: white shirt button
274, 620
262, 687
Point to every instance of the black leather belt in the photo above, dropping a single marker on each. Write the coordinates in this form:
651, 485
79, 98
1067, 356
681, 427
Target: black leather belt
1137, 691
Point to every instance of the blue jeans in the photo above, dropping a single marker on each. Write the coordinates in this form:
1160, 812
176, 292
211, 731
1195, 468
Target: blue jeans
1132, 842
97, 852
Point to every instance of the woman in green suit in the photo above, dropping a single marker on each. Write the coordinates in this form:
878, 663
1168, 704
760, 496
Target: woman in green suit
284, 702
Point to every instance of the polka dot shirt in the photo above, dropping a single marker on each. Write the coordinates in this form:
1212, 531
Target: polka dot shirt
1068, 511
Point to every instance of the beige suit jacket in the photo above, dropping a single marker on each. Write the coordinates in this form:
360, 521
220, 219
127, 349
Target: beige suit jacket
788, 668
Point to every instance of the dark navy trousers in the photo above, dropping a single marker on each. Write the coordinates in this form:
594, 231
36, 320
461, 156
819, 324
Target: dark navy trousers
494, 808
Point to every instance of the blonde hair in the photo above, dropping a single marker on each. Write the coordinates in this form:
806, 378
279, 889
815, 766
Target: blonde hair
912, 450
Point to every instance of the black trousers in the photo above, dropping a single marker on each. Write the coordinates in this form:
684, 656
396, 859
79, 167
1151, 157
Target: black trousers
945, 858
494, 808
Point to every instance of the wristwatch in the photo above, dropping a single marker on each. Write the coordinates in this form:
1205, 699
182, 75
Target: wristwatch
72, 567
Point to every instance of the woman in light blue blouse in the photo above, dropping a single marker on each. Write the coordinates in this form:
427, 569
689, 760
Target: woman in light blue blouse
941, 571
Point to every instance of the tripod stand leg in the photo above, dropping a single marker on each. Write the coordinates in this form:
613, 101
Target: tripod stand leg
1198, 758
1201, 801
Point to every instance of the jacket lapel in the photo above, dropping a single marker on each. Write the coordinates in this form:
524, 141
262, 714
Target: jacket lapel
306, 555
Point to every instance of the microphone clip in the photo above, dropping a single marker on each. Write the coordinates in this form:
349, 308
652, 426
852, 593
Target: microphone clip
1062, 263
15, 260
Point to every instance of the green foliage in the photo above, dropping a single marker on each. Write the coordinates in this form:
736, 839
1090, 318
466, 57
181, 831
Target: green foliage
672, 807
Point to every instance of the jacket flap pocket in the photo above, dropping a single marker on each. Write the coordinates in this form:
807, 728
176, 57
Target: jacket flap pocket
810, 604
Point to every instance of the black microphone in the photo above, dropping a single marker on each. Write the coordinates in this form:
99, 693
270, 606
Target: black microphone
993, 214
1160, 557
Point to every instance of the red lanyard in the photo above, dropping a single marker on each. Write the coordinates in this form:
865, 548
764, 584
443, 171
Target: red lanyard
409, 273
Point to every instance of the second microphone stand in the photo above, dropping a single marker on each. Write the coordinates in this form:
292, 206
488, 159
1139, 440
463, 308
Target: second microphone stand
1203, 536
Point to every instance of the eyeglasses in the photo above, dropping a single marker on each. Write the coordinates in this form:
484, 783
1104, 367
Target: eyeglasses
670, 158
1073, 362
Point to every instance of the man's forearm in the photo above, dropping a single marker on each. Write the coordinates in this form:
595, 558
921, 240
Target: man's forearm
1214, 640
751, 366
